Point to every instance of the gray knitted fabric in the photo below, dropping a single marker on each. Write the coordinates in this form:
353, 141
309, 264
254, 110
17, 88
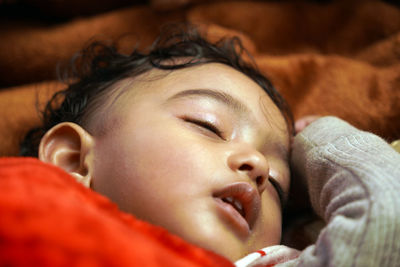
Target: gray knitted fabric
353, 179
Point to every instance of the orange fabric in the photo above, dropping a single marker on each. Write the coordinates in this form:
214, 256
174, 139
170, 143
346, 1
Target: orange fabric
336, 58
47, 219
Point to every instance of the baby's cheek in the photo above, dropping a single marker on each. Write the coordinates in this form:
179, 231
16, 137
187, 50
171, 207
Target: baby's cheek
171, 164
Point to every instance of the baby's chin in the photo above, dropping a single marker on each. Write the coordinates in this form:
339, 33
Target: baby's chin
231, 251
228, 244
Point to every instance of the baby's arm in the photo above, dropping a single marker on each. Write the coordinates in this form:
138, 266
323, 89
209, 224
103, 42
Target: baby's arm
354, 184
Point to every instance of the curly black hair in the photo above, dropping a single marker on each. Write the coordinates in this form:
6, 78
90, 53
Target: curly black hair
99, 66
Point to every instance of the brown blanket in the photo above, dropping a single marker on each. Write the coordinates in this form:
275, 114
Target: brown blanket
337, 57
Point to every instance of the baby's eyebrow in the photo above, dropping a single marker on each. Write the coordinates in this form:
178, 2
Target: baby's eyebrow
222, 97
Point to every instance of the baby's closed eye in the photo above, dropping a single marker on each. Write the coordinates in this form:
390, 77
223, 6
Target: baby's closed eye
207, 126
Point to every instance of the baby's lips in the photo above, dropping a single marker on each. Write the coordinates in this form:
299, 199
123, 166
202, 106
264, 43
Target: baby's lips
248, 197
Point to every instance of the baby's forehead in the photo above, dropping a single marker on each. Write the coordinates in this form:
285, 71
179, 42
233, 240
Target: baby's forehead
200, 81
235, 86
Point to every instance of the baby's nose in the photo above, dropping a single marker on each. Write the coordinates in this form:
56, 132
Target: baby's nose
253, 163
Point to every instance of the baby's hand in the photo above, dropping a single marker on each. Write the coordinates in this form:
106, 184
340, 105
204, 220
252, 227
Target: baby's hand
303, 122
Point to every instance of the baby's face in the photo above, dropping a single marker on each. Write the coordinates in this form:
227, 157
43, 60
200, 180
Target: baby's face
192, 151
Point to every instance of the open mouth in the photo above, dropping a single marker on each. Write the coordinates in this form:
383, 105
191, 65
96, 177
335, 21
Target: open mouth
240, 203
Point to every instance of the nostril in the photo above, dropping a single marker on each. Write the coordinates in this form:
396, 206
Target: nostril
260, 180
245, 167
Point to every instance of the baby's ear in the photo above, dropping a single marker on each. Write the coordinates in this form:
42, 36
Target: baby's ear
68, 146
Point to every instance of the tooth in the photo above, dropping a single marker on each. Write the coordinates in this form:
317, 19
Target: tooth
238, 205
235, 203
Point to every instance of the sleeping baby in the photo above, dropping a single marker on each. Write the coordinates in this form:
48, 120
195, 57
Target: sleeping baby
189, 136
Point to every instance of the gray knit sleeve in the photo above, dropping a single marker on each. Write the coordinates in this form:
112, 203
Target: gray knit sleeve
353, 178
